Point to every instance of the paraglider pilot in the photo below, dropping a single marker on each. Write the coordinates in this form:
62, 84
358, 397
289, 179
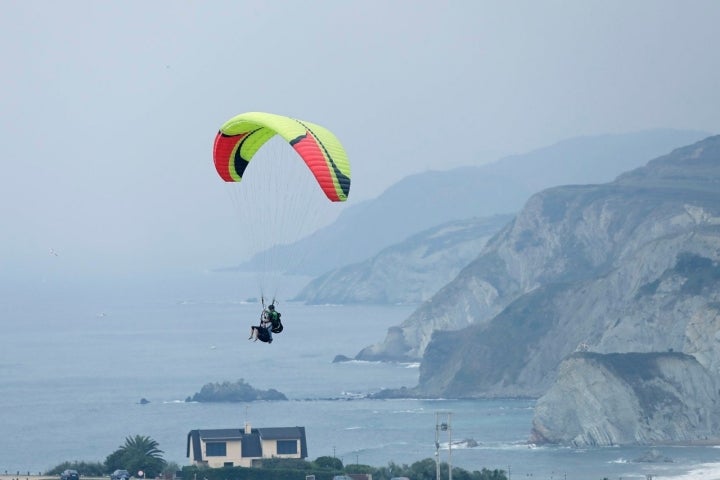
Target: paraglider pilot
269, 323
258, 332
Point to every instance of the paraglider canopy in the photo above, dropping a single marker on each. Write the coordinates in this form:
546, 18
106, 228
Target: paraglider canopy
243, 135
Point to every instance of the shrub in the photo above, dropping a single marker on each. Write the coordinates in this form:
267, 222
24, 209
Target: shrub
85, 469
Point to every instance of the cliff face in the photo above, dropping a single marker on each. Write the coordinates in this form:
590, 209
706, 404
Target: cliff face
628, 266
410, 271
632, 398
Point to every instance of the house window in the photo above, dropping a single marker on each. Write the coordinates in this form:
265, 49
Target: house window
216, 449
286, 447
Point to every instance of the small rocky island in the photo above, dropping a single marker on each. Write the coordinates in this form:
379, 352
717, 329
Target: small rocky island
234, 392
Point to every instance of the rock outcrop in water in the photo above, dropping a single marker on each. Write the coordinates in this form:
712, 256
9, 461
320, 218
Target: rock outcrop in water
630, 398
234, 392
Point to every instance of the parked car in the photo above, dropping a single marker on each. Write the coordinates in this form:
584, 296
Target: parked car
70, 475
120, 475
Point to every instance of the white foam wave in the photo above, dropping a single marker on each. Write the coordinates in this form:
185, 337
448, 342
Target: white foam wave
705, 471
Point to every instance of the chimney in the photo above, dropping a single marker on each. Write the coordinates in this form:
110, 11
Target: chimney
248, 430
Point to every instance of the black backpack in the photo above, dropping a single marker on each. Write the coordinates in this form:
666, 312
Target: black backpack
277, 325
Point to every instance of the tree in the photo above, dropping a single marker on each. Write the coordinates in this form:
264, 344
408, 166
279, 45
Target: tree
85, 469
425, 469
168, 473
138, 454
330, 463
359, 468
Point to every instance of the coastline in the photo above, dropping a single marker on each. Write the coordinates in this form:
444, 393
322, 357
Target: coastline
705, 471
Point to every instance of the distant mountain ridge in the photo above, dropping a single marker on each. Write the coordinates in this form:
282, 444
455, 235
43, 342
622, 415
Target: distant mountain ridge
425, 200
410, 271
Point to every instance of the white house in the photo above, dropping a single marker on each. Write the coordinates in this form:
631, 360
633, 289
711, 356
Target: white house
244, 447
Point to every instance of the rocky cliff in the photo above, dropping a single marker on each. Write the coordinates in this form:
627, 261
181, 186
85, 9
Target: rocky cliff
410, 271
627, 266
631, 398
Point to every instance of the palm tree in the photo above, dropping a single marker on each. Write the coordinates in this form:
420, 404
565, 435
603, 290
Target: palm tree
139, 453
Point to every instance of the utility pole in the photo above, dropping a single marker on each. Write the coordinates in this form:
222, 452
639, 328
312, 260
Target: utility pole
444, 426
437, 448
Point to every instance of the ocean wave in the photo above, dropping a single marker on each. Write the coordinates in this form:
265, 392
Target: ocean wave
364, 362
460, 444
704, 471
347, 394
471, 444
353, 361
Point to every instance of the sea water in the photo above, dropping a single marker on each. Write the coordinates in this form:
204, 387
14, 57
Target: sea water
74, 367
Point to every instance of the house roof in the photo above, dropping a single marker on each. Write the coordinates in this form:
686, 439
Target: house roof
251, 442
222, 434
281, 433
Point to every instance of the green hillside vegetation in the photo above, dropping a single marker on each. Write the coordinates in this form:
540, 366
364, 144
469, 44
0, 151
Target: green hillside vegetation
699, 273
639, 370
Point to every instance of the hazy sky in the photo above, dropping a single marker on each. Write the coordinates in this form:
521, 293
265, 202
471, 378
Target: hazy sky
109, 108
